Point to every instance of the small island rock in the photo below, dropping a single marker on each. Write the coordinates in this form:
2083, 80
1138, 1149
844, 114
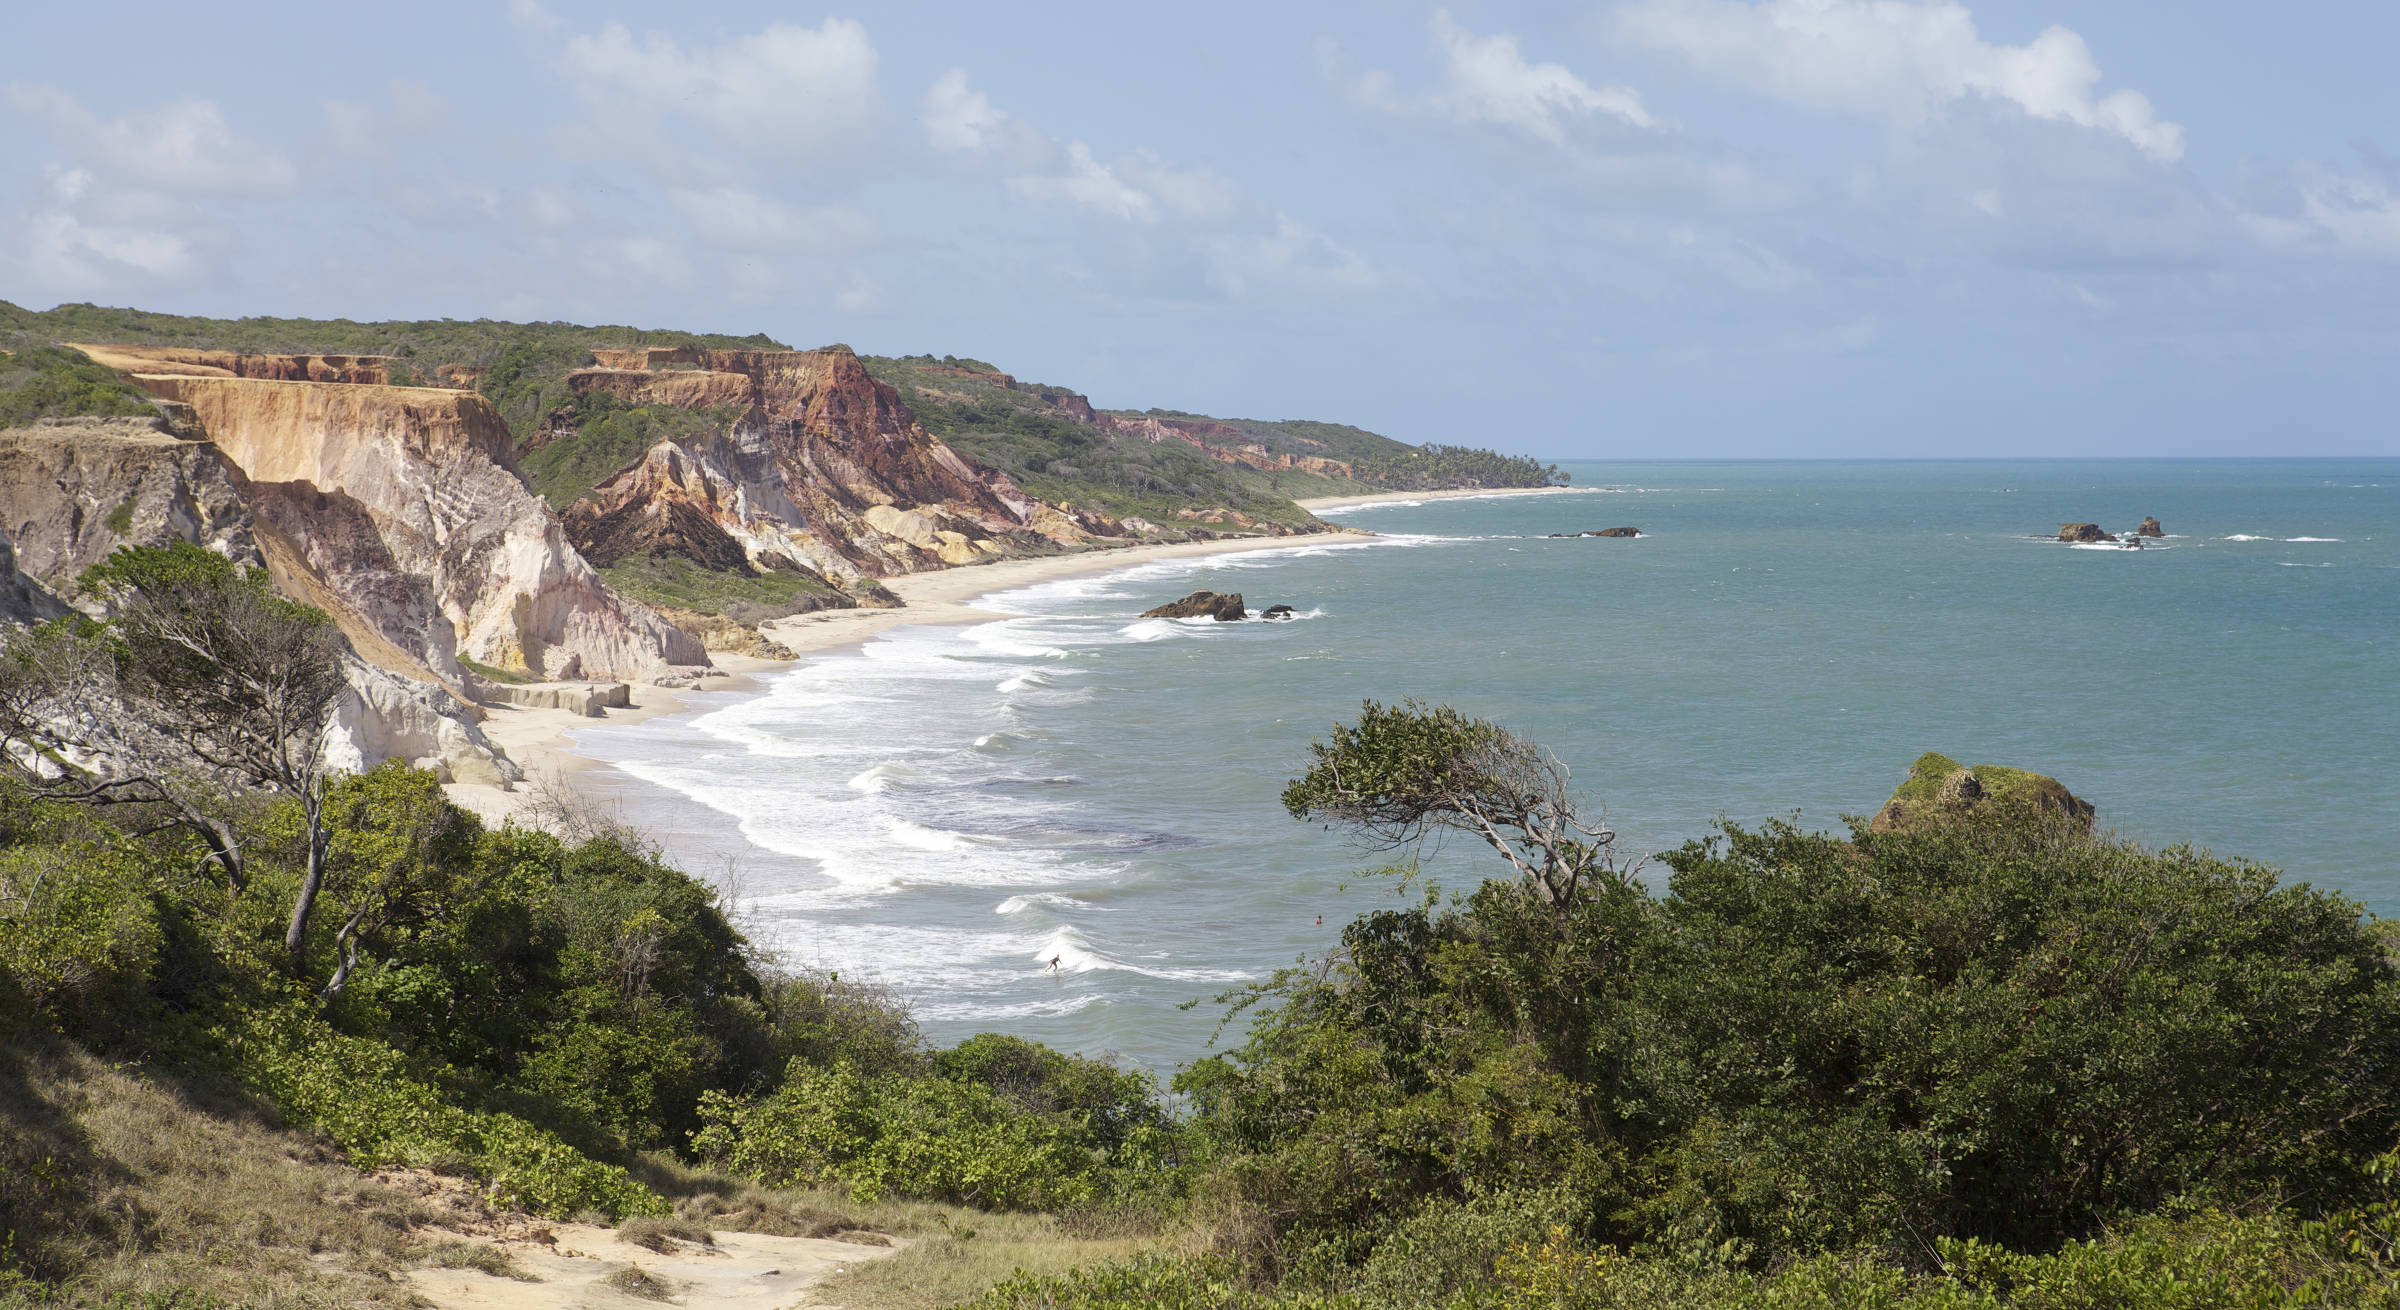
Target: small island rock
2083, 532
1940, 790
2150, 528
1615, 532
1202, 604
1276, 612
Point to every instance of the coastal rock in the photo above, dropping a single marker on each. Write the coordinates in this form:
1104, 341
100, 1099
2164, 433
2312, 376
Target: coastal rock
1226, 608
73, 491
2150, 528
2083, 532
821, 468
1276, 612
1939, 790
1615, 532
384, 715
589, 699
429, 473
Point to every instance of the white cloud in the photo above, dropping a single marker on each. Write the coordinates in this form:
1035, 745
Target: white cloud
788, 91
2331, 213
1287, 258
1094, 186
1896, 58
956, 117
1487, 80
183, 146
731, 218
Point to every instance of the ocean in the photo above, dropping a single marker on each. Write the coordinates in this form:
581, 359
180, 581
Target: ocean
946, 809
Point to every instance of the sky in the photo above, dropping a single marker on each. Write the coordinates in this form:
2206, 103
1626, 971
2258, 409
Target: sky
1627, 229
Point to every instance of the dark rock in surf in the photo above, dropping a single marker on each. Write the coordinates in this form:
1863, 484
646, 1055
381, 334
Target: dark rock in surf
1202, 604
2150, 528
2083, 532
1276, 612
1615, 532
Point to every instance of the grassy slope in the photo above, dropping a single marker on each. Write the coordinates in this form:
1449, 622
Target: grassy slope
1054, 457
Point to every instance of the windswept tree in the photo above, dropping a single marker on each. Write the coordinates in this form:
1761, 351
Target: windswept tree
203, 681
1407, 773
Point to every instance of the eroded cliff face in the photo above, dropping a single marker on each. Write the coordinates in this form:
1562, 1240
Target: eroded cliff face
74, 490
234, 364
406, 502
826, 470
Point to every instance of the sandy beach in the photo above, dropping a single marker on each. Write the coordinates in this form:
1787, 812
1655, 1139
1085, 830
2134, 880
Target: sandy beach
537, 738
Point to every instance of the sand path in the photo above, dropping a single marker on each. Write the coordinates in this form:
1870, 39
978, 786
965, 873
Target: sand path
575, 1269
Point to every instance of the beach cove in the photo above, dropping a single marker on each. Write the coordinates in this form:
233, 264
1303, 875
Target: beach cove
946, 804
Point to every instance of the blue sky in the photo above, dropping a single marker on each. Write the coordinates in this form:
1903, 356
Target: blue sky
1638, 228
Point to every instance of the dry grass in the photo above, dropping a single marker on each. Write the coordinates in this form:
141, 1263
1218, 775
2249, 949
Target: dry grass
152, 1194
633, 1280
483, 1259
661, 1235
952, 1253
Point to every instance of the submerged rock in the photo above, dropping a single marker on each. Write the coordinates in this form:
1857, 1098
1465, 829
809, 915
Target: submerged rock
1224, 609
1940, 790
2080, 532
2150, 528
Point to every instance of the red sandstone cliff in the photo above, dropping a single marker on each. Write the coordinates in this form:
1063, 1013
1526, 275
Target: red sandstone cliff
825, 470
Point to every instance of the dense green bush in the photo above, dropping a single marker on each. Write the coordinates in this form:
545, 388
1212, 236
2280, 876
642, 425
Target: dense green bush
39, 380
946, 1138
2001, 1030
361, 1094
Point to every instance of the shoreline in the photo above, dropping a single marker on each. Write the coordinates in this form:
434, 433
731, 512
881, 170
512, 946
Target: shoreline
537, 738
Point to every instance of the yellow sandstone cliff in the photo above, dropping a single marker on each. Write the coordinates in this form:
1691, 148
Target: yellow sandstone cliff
406, 501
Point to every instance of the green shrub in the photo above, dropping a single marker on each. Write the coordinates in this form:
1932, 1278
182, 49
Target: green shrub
361, 1094
935, 1138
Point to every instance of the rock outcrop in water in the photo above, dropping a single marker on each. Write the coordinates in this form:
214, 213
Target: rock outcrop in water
407, 501
1225, 608
2083, 532
2150, 528
824, 471
1939, 790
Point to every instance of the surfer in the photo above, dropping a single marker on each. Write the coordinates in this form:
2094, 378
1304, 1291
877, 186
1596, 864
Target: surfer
1053, 965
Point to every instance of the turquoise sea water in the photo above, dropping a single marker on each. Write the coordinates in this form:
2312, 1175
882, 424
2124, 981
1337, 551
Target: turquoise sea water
948, 808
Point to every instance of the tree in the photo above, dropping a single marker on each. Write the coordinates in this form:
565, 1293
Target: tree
1407, 772
202, 677
398, 853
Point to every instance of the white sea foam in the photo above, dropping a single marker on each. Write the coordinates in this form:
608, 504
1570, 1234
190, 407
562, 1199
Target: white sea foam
1042, 900
2317, 539
2244, 536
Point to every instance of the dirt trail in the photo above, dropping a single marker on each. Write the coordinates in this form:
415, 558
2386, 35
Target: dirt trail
743, 1271
501, 1260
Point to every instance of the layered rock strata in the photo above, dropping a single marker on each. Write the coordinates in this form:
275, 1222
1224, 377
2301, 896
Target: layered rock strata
824, 471
410, 496
72, 491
